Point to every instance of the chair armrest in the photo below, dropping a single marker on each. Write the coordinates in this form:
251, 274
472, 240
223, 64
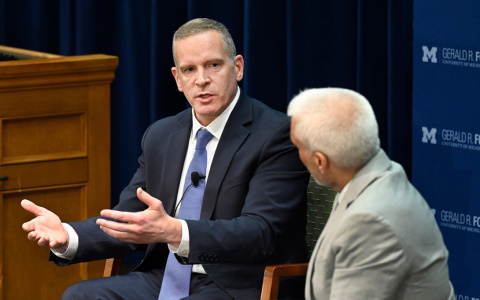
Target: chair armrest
272, 276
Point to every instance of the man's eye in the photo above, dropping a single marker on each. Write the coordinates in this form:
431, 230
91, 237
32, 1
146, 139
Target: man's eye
188, 70
214, 65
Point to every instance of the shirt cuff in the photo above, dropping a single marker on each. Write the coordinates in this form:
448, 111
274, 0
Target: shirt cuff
184, 248
72, 244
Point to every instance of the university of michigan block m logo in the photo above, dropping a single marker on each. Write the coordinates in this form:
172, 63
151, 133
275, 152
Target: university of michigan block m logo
429, 135
429, 55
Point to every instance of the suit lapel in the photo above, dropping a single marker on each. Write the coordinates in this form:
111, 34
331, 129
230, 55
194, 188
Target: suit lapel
176, 150
232, 138
335, 217
368, 174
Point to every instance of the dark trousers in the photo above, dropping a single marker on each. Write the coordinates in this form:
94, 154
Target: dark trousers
140, 285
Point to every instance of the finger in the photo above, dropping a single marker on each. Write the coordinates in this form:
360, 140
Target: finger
28, 226
32, 207
145, 197
55, 244
109, 231
32, 236
122, 216
121, 227
122, 236
43, 242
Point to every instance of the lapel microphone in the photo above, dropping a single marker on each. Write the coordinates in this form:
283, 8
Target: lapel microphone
195, 177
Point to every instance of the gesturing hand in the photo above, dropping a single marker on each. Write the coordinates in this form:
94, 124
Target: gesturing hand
152, 225
46, 228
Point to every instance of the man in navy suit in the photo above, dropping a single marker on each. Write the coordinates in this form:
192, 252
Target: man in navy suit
253, 211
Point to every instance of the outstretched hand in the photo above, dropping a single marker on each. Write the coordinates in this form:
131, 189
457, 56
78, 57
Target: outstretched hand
46, 228
152, 225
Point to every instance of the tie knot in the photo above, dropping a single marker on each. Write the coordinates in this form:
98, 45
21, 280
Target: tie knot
203, 137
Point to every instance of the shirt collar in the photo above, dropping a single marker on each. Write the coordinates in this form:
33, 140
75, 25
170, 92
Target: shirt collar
216, 126
343, 192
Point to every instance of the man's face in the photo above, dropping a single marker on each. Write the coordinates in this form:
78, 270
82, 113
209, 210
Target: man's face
205, 74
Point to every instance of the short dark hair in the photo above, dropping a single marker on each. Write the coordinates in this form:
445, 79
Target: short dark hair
200, 25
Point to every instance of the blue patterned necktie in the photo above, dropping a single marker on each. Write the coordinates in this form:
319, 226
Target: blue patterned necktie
176, 279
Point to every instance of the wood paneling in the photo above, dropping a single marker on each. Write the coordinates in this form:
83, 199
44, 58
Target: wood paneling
40, 138
55, 151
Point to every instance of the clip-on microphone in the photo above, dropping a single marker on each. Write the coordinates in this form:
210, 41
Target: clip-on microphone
195, 177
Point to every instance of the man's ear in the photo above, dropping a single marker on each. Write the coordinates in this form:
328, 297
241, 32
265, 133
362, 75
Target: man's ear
321, 161
239, 65
175, 75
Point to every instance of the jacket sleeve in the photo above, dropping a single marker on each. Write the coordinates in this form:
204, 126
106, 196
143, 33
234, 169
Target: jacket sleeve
367, 266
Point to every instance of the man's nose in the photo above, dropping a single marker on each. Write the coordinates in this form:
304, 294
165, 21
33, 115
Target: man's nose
203, 77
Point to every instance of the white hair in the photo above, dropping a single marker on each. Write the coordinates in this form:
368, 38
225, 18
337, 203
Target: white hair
338, 122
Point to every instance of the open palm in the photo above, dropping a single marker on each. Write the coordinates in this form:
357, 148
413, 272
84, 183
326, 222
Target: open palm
46, 228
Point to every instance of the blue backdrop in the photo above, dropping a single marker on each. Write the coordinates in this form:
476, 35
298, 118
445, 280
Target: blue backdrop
446, 129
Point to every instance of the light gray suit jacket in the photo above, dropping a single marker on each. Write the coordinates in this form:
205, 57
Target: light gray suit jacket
381, 242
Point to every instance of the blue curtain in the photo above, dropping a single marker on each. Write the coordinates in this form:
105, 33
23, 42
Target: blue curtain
288, 46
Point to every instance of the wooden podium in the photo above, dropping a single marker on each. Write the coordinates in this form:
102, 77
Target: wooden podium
55, 151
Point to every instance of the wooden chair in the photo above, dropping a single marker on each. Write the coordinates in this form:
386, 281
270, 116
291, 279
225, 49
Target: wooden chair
113, 266
319, 205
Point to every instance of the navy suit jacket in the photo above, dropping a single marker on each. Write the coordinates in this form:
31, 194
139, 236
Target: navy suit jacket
254, 206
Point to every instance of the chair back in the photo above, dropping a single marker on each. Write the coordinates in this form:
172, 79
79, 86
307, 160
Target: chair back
319, 205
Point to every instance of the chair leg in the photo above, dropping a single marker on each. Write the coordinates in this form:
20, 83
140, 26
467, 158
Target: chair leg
270, 284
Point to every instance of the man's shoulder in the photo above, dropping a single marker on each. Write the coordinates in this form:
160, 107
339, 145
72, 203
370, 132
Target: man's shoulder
257, 104
261, 112
176, 121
